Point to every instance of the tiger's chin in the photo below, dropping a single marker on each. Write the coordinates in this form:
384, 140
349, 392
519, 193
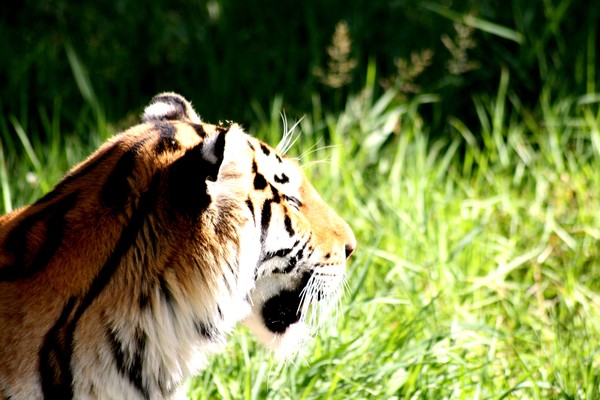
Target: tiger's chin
277, 322
283, 344
281, 310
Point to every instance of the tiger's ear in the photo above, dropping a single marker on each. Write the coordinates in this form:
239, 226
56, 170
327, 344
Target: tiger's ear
218, 168
170, 106
237, 155
225, 154
188, 178
234, 157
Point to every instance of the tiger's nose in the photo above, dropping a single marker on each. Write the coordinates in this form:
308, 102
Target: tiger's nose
349, 249
351, 243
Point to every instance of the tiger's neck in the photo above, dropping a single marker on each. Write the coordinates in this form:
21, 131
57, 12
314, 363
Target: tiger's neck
124, 280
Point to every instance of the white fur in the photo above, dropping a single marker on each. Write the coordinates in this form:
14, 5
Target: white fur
283, 345
159, 110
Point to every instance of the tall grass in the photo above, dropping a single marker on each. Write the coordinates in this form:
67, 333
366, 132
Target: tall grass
478, 268
477, 273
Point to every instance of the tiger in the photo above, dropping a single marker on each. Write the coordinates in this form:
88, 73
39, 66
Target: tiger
121, 281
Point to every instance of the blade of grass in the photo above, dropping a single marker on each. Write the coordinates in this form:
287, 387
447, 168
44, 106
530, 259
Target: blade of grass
85, 87
35, 162
474, 22
6, 191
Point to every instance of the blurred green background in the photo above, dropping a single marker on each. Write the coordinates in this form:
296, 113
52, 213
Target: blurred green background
230, 57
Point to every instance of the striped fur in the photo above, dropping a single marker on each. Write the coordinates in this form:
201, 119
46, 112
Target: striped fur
123, 279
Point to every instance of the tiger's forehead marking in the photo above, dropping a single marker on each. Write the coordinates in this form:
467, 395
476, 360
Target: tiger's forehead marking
279, 170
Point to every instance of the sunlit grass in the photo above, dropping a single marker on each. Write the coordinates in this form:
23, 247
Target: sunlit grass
478, 268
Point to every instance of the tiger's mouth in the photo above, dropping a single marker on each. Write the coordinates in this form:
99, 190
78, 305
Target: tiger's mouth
286, 307
282, 310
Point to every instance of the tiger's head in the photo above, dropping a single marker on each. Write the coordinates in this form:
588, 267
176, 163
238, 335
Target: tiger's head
292, 246
304, 246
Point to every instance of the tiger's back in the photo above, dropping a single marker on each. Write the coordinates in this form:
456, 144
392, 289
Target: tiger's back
123, 279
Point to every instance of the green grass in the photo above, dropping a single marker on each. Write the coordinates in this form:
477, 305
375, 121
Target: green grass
478, 268
477, 273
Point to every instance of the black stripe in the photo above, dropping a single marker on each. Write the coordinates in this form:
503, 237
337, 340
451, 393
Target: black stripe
55, 358
259, 182
92, 391
70, 177
143, 299
147, 203
199, 130
294, 202
265, 149
187, 177
290, 265
186, 181
166, 385
116, 190
276, 198
138, 355
167, 139
273, 254
5, 394
55, 230
206, 330
26, 263
293, 262
281, 179
251, 207
311, 251
220, 144
130, 363
233, 272
166, 292
265, 220
288, 225
117, 351
64, 330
